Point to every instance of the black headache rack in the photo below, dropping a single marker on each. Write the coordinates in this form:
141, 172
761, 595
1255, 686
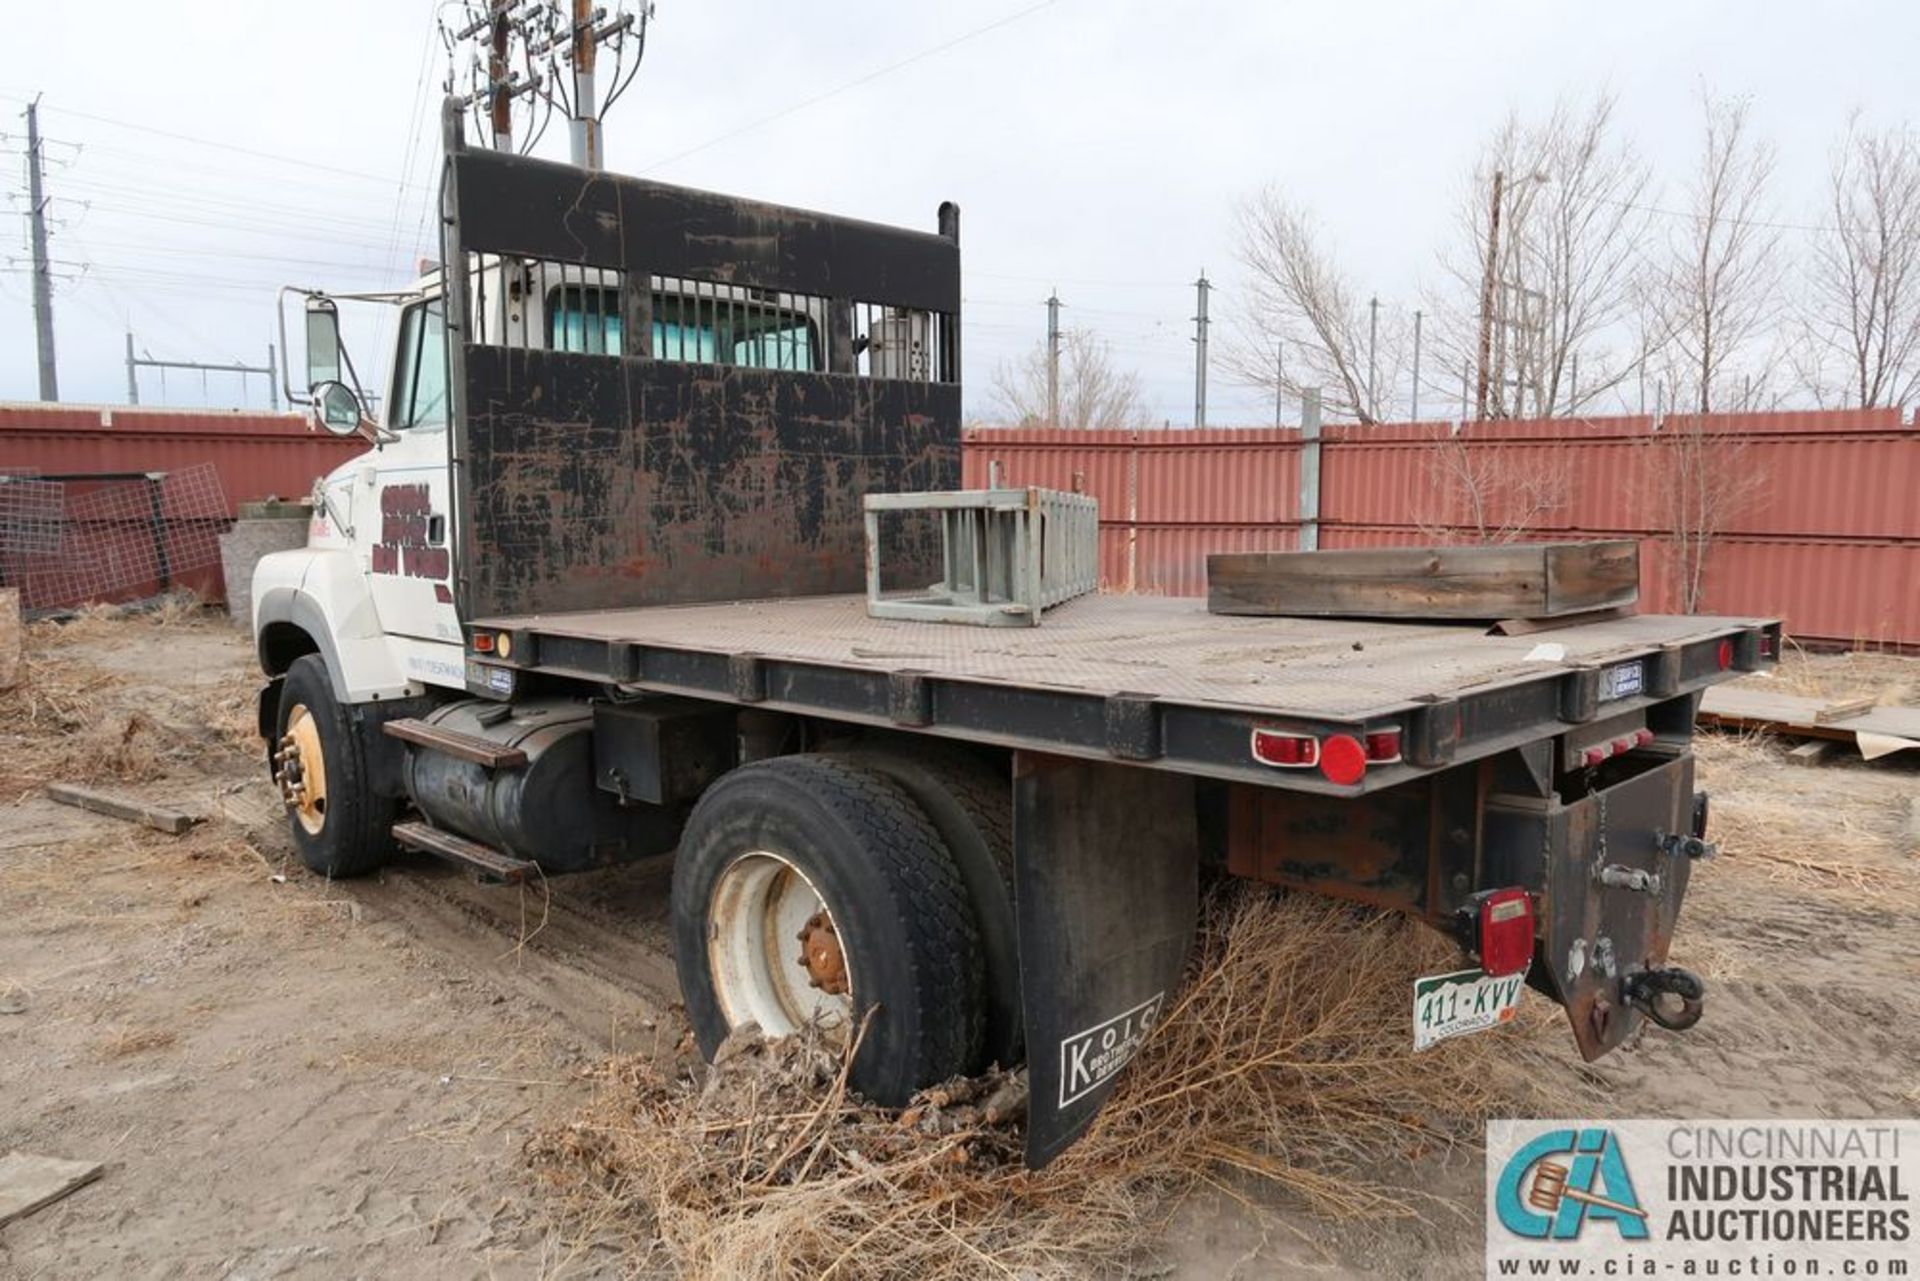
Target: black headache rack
1203, 739
662, 395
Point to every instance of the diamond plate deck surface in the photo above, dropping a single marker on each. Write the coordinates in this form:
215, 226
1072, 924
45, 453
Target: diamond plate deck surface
1167, 647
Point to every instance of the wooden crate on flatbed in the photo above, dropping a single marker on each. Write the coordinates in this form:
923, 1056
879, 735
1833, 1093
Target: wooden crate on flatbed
1511, 580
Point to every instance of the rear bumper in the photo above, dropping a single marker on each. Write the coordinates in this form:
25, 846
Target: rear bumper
1609, 871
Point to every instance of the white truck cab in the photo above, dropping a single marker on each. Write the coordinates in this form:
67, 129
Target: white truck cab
373, 590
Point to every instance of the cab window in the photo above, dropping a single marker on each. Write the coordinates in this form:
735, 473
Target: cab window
697, 330
584, 320
420, 371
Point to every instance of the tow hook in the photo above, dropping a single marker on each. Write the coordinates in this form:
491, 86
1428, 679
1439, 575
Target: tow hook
1644, 992
1621, 877
1677, 846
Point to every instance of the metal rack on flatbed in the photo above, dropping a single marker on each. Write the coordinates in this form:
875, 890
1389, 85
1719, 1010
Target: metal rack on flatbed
1139, 679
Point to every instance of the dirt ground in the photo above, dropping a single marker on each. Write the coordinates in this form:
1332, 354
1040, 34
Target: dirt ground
292, 1078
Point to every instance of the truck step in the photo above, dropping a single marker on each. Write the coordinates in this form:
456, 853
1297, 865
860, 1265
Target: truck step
484, 859
466, 747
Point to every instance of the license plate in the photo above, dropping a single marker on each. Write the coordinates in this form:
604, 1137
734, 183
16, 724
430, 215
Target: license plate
1621, 682
1449, 1005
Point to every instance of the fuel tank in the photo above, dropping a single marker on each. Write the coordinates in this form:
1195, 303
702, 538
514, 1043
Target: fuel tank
548, 810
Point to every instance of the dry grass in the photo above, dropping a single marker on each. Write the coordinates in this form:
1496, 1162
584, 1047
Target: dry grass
1287, 1061
1891, 679
76, 716
1800, 827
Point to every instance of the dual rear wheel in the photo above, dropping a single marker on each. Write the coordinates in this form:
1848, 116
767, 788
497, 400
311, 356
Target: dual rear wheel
818, 890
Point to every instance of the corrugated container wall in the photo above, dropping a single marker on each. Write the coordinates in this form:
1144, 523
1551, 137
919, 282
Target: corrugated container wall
1817, 514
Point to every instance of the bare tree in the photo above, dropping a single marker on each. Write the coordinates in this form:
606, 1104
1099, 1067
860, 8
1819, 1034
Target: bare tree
1864, 278
1566, 262
1701, 480
1295, 293
1487, 492
1094, 392
1716, 292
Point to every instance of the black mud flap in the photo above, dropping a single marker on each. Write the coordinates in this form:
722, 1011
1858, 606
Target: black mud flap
267, 715
1611, 869
1106, 864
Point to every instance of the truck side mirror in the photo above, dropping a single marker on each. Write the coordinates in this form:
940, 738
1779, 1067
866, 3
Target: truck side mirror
338, 407
323, 345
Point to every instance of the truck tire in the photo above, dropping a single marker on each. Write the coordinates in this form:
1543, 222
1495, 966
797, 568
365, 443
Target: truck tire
809, 889
340, 826
971, 806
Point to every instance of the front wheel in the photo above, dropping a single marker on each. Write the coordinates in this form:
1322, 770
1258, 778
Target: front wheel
809, 891
340, 826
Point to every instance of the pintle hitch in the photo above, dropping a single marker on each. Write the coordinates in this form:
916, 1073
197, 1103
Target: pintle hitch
1644, 992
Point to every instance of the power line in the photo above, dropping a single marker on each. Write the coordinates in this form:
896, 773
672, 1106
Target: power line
854, 83
300, 162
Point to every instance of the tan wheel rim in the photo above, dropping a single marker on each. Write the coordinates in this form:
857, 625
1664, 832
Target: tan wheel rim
303, 770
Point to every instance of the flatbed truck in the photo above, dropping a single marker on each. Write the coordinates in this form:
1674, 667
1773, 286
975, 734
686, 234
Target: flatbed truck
594, 594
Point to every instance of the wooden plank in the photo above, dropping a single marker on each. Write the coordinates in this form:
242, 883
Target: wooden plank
1514, 580
1747, 707
1587, 576
158, 817
1845, 710
1812, 752
29, 1183
12, 637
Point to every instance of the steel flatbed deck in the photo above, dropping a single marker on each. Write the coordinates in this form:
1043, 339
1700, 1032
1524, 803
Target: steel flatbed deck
1146, 679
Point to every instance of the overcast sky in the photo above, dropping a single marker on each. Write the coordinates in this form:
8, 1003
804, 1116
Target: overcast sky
1099, 145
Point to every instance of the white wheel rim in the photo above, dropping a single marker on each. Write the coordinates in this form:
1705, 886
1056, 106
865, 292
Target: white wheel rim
761, 907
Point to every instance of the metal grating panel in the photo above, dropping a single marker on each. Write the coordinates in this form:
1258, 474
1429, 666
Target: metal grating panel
76, 539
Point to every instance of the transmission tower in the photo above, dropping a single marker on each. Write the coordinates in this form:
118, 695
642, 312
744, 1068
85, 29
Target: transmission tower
531, 58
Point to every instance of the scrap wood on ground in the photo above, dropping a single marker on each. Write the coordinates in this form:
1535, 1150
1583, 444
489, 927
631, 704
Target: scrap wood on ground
1287, 1061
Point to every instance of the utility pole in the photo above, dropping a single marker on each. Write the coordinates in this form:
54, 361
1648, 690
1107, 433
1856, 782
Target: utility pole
1053, 359
1200, 353
586, 105
42, 269
1414, 410
499, 94
1487, 299
1373, 343
1279, 383
539, 35
133, 383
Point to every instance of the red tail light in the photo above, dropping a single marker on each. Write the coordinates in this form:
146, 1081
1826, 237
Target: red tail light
1724, 655
483, 642
1343, 760
1289, 751
1506, 932
1383, 746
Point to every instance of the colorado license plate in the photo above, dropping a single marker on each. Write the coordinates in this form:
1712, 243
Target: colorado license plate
1449, 1005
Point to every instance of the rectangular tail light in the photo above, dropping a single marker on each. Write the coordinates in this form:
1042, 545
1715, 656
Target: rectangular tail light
1288, 751
1506, 932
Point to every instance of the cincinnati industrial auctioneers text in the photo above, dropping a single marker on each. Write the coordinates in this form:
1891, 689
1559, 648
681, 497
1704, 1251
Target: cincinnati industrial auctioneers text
1844, 1182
